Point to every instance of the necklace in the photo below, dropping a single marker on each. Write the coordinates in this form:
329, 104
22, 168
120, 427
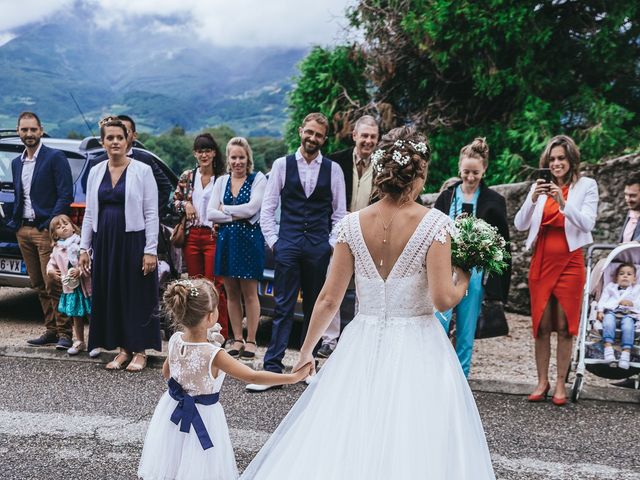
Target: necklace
386, 227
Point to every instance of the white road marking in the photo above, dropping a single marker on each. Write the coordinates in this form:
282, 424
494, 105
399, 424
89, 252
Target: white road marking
562, 471
125, 431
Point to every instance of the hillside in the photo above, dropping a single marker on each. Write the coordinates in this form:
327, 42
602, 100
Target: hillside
162, 77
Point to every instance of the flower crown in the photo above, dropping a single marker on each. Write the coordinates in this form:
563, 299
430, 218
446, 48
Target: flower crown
397, 156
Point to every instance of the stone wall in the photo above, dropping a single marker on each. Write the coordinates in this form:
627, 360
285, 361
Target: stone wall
610, 175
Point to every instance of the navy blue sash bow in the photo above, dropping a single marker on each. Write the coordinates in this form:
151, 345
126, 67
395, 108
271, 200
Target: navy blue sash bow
187, 413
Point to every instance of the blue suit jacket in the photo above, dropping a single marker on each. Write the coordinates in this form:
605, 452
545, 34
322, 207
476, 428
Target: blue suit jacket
51, 188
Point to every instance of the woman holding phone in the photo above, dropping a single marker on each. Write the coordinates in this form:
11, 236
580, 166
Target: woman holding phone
472, 196
559, 215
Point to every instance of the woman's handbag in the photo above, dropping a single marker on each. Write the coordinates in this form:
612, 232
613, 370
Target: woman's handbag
178, 236
492, 322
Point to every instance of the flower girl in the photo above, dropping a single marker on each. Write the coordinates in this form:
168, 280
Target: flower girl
188, 437
75, 300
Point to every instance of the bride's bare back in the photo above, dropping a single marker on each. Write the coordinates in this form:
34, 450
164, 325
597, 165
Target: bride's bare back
401, 222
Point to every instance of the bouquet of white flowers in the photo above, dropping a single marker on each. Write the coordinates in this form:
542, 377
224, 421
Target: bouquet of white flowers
476, 244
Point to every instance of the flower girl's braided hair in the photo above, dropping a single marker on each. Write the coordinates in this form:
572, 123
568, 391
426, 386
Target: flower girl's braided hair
188, 301
401, 156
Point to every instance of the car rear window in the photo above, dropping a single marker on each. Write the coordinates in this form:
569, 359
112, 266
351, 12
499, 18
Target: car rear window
75, 162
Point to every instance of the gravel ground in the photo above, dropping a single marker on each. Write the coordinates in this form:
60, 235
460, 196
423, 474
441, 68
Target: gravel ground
509, 358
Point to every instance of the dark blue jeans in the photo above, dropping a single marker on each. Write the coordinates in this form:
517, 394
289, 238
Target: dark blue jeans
297, 267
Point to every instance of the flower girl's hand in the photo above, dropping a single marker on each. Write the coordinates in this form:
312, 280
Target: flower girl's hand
73, 273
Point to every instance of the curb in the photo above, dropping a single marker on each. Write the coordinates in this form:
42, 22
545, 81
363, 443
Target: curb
156, 359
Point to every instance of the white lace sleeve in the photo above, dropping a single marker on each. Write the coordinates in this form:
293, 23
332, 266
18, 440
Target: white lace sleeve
341, 230
445, 226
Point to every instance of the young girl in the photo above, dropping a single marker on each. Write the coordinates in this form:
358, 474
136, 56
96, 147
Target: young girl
75, 300
185, 441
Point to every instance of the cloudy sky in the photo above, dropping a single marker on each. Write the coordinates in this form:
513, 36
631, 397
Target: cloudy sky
223, 22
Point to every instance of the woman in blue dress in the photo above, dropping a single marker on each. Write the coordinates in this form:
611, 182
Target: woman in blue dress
471, 195
235, 207
120, 227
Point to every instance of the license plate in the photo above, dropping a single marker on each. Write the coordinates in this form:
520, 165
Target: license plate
12, 265
267, 289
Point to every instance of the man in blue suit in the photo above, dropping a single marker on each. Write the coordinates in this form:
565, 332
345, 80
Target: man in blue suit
43, 189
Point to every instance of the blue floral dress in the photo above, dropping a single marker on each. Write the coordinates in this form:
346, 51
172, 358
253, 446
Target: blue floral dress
240, 248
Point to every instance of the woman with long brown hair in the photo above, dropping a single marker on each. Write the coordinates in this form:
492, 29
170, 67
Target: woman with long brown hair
559, 214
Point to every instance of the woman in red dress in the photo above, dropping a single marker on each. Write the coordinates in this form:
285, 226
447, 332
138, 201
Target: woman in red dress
559, 215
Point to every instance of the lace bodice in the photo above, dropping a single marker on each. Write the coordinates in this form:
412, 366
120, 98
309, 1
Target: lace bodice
405, 292
190, 365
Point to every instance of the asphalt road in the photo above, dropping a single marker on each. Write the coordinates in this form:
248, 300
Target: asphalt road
74, 420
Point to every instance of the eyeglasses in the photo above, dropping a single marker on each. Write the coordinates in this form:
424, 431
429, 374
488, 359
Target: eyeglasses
203, 151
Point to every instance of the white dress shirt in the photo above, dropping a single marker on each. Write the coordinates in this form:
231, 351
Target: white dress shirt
28, 166
308, 173
200, 199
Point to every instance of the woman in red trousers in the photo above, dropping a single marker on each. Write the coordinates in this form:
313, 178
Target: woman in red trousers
191, 199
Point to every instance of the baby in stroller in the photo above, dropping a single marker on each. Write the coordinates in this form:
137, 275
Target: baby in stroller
620, 305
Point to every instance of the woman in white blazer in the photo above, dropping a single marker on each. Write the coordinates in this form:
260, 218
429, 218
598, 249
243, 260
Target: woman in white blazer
235, 206
120, 229
559, 215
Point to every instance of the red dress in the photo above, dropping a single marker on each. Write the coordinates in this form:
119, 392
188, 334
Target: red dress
555, 270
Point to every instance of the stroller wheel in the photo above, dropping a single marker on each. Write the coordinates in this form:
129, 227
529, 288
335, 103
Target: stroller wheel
577, 388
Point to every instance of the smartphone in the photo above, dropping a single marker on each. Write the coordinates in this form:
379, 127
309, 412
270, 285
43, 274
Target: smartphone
544, 174
467, 208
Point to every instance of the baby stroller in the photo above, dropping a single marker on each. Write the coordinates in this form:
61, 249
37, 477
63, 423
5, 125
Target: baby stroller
588, 352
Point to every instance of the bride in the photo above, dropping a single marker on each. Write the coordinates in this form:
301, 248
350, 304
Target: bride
392, 398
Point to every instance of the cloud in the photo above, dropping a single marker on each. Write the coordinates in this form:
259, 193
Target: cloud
17, 14
220, 22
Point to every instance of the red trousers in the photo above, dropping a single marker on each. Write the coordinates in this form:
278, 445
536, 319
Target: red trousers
200, 256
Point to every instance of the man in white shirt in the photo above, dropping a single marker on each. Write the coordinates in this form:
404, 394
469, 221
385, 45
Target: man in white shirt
43, 188
631, 227
310, 190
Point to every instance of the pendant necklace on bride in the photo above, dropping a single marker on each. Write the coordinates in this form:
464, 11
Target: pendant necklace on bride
385, 228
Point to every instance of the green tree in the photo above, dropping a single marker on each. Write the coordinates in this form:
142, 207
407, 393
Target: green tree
332, 82
514, 71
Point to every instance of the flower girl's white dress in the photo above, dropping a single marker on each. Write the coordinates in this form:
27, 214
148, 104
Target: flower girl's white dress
171, 454
391, 402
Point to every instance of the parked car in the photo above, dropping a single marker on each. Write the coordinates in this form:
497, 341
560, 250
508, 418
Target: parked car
13, 271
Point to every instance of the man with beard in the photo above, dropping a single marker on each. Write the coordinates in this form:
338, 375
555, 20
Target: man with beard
43, 188
631, 227
162, 181
358, 175
310, 189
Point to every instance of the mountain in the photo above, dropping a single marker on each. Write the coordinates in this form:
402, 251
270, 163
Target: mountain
162, 77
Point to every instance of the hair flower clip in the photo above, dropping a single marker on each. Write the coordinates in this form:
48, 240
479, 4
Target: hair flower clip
420, 147
193, 291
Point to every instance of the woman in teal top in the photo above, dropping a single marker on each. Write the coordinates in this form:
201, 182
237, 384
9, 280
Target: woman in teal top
472, 196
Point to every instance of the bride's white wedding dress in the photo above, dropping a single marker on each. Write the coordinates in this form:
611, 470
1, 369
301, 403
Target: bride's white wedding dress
391, 402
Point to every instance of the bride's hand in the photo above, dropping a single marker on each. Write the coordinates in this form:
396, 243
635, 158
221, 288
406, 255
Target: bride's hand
461, 277
304, 359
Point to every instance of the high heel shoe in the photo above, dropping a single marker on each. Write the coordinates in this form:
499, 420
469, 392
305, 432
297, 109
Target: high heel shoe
539, 397
559, 402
